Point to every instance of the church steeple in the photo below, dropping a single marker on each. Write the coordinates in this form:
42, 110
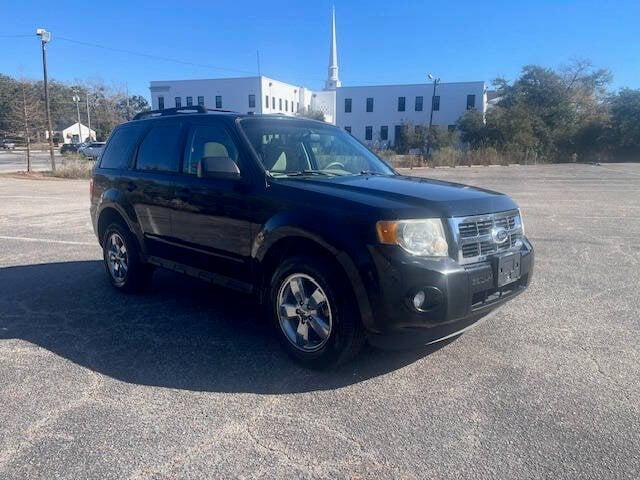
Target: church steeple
333, 81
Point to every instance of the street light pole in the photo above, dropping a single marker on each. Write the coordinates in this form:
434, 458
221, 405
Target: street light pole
433, 96
89, 117
45, 37
76, 98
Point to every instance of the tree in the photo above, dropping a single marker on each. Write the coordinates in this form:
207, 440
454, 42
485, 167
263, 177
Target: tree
624, 129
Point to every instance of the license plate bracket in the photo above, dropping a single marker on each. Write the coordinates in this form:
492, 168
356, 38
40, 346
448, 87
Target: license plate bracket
507, 269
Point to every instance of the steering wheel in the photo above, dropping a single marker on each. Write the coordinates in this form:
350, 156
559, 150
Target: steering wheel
334, 164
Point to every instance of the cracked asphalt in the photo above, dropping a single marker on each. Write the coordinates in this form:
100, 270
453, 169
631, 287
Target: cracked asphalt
187, 382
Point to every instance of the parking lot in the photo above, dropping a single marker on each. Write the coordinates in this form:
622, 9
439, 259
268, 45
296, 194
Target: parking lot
187, 382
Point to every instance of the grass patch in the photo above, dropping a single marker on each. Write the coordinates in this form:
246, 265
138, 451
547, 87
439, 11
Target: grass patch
72, 166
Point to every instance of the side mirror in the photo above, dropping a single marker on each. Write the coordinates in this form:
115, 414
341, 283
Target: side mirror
218, 167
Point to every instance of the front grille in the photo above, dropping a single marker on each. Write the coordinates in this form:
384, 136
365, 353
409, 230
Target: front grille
474, 235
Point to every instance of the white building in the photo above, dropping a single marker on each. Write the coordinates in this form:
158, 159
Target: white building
76, 133
373, 114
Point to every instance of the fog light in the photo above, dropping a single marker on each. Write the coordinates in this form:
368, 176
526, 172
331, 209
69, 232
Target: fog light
518, 243
418, 299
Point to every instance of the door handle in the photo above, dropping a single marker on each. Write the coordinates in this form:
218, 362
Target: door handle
131, 186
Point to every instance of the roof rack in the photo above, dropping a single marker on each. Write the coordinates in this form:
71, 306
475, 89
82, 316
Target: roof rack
177, 111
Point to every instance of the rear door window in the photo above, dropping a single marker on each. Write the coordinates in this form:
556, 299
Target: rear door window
160, 149
121, 146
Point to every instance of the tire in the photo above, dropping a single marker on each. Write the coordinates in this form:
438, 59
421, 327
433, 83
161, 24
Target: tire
334, 333
127, 273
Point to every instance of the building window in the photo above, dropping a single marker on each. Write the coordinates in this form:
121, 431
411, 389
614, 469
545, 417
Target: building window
266, 101
402, 103
286, 105
160, 103
280, 104
273, 103
347, 129
471, 102
384, 132
436, 103
368, 133
252, 101
189, 101
347, 105
201, 100
297, 106
178, 102
397, 133
369, 104
218, 101
451, 128
419, 102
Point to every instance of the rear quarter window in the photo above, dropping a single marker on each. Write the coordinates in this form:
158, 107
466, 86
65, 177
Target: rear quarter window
120, 147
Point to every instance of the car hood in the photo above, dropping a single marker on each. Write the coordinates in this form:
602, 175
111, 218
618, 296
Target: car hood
405, 197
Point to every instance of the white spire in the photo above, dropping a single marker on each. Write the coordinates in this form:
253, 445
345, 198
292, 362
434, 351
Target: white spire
333, 81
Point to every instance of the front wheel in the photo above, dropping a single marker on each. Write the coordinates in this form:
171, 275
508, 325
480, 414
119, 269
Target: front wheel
313, 313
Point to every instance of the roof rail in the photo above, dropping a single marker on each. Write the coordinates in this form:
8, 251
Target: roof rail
178, 111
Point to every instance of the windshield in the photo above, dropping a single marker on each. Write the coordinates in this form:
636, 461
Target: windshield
299, 148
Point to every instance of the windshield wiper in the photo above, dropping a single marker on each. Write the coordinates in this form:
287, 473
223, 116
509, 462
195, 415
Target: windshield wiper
371, 172
301, 173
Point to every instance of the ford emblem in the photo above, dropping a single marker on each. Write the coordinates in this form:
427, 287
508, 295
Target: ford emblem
499, 235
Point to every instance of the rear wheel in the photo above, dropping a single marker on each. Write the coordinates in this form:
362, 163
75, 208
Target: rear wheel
313, 313
122, 260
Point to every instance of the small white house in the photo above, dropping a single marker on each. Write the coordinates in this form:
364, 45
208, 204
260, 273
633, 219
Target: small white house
76, 133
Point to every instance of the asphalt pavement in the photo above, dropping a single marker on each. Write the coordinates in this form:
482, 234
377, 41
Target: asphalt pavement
16, 160
186, 381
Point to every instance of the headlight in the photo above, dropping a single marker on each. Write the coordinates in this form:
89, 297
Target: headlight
418, 237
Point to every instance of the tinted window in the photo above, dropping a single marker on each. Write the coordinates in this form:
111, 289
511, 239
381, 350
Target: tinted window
419, 102
266, 101
401, 103
370, 104
207, 141
160, 149
252, 101
123, 142
436, 103
189, 101
160, 103
384, 132
201, 101
178, 102
347, 105
218, 101
368, 133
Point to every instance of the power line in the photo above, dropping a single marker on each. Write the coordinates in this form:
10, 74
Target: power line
152, 56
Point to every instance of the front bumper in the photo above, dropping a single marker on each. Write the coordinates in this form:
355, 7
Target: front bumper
459, 295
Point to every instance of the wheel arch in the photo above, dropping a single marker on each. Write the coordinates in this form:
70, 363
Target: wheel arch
287, 240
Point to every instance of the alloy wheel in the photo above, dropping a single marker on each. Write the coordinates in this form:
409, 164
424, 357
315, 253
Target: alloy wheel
304, 312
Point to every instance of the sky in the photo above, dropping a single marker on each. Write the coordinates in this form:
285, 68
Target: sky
379, 42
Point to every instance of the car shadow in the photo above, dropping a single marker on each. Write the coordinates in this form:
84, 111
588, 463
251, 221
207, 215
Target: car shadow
182, 333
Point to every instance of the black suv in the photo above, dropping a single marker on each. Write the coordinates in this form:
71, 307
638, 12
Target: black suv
338, 246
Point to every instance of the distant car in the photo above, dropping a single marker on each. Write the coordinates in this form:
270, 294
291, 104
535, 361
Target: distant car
7, 145
69, 148
92, 150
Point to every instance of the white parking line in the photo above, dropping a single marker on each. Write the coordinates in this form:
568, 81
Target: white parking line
46, 240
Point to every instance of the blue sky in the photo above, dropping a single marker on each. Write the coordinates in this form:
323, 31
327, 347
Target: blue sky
378, 41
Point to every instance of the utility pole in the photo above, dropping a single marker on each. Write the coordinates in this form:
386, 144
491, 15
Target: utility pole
45, 38
128, 107
89, 117
26, 125
433, 96
76, 98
